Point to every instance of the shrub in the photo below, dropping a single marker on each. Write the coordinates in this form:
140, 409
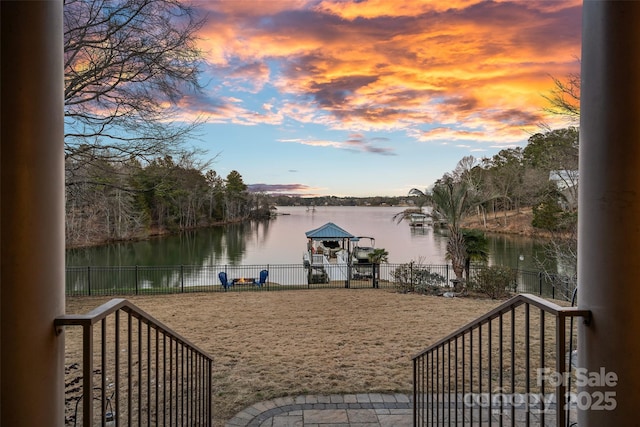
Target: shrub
495, 281
549, 215
414, 277
546, 215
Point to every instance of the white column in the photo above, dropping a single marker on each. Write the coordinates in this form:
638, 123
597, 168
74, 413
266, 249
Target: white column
609, 213
32, 214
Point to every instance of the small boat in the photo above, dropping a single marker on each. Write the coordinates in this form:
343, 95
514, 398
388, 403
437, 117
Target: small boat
418, 219
362, 267
361, 252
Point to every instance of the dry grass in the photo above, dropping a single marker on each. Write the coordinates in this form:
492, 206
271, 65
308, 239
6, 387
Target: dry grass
511, 222
270, 344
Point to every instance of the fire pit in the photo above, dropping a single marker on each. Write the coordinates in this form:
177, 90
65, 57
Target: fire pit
244, 281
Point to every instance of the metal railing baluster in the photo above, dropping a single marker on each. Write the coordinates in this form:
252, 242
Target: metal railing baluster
477, 342
178, 366
501, 366
542, 388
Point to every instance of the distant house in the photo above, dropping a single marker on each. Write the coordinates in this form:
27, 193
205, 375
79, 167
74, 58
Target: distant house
567, 183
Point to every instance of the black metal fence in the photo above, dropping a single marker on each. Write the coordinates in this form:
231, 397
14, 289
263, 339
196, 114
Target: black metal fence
137, 280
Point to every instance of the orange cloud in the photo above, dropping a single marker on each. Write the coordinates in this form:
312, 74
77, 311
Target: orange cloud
475, 68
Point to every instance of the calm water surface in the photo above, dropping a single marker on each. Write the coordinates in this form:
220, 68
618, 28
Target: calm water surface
282, 241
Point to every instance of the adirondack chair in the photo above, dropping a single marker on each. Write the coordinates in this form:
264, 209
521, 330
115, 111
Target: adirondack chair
223, 279
263, 277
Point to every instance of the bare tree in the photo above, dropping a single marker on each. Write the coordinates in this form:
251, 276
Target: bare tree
127, 65
505, 171
564, 98
463, 169
563, 249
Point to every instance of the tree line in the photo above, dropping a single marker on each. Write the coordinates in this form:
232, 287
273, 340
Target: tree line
129, 64
288, 200
543, 175
110, 201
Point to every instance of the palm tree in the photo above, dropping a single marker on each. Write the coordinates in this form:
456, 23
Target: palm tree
423, 198
477, 247
451, 201
378, 255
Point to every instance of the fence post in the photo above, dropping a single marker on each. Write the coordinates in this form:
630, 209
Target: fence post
373, 275
411, 274
181, 278
539, 283
347, 282
136, 280
89, 280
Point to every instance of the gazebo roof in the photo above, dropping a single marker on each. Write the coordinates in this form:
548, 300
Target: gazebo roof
327, 232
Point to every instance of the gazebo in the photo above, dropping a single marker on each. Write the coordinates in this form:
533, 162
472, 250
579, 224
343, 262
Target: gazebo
332, 240
328, 233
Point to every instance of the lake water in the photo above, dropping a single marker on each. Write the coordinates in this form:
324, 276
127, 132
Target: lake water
282, 241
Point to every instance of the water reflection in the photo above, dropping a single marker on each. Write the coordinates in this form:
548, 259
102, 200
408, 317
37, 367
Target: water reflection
211, 246
419, 231
519, 252
195, 258
282, 241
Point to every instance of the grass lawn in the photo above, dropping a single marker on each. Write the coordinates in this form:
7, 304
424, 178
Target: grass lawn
271, 344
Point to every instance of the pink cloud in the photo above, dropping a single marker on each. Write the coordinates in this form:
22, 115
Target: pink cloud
380, 65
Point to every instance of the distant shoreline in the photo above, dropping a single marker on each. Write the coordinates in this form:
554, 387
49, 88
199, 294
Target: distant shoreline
517, 223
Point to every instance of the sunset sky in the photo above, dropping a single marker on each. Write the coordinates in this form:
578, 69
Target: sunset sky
330, 97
